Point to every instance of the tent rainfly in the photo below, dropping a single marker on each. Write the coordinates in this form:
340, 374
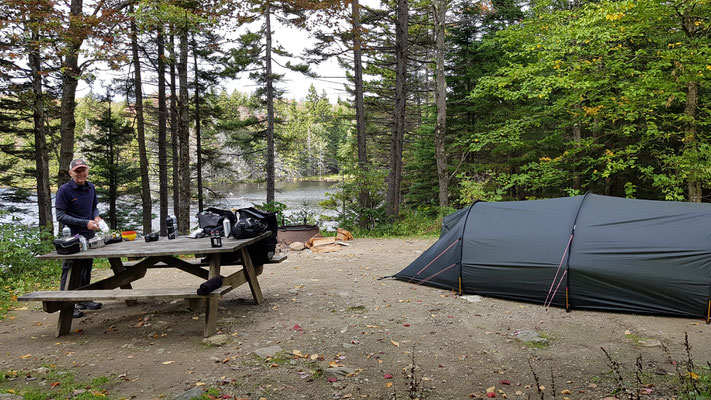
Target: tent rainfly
589, 252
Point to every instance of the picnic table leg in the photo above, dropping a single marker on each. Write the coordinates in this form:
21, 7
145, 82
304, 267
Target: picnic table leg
211, 315
66, 314
117, 267
211, 308
252, 277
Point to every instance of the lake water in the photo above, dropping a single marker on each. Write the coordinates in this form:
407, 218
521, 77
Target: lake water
300, 198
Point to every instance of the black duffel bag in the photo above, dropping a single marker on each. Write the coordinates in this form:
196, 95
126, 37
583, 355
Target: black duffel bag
69, 245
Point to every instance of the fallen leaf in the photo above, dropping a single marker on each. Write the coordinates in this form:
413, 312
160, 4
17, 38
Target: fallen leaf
332, 379
372, 326
542, 387
26, 356
394, 343
314, 357
405, 324
388, 376
505, 382
519, 393
334, 364
491, 389
55, 384
388, 384
565, 391
168, 362
199, 383
491, 395
627, 332
592, 385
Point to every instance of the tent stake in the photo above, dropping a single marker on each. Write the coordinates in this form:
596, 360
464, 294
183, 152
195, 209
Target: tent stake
708, 314
567, 303
460, 285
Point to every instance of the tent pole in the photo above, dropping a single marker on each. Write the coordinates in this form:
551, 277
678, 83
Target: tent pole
567, 262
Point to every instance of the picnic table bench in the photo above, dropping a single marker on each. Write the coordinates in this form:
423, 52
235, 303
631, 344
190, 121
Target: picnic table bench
161, 254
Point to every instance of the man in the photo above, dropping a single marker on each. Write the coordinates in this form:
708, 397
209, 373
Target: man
76, 206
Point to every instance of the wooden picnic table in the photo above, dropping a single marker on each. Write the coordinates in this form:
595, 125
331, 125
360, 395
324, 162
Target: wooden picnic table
163, 253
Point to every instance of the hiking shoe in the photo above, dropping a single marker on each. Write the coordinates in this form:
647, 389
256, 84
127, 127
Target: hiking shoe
88, 304
77, 313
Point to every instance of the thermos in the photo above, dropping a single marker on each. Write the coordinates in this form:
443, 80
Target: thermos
171, 225
227, 226
66, 232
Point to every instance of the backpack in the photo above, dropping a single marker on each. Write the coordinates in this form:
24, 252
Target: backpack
259, 252
246, 228
210, 220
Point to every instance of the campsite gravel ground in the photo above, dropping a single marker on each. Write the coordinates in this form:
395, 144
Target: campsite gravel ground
332, 309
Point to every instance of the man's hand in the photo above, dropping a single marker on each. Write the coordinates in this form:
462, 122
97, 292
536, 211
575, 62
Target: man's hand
93, 225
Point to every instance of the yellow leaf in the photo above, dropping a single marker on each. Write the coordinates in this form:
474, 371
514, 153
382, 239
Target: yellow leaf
297, 353
13, 298
333, 364
314, 356
168, 362
199, 383
372, 326
694, 376
491, 389
565, 391
396, 344
388, 384
26, 356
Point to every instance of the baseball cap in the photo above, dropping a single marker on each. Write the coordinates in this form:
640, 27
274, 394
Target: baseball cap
77, 163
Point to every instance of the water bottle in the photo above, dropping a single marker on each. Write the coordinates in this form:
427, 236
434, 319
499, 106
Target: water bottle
171, 227
84, 245
66, 232
227, 226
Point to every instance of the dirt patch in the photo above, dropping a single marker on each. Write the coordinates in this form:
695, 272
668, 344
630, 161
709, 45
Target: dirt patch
331, 310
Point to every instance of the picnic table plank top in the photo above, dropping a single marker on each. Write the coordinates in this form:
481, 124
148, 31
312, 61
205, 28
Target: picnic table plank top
162, 247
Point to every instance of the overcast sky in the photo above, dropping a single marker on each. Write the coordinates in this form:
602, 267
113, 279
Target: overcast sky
296, 85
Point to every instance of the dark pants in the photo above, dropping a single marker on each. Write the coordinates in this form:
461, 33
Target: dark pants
84, 272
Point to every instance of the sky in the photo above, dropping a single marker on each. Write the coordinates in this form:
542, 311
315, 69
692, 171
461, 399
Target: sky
296, 85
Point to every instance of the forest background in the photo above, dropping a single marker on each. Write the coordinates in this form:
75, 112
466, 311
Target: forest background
448, 102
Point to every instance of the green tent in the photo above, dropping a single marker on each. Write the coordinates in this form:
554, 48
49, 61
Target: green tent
592, 252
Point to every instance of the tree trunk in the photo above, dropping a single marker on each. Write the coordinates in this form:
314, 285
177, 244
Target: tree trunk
440, 13
363, 195
398, 133
270, 108
692, 104
140, 128
184, 135
162, 133
70, 80
44, 194
174, 126
197, 128
577, 137
113, 186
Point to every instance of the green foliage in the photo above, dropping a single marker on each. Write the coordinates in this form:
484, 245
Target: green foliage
108, 145
344, 199
595, 98
419, 222
20, 271
483, 189
57, 384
